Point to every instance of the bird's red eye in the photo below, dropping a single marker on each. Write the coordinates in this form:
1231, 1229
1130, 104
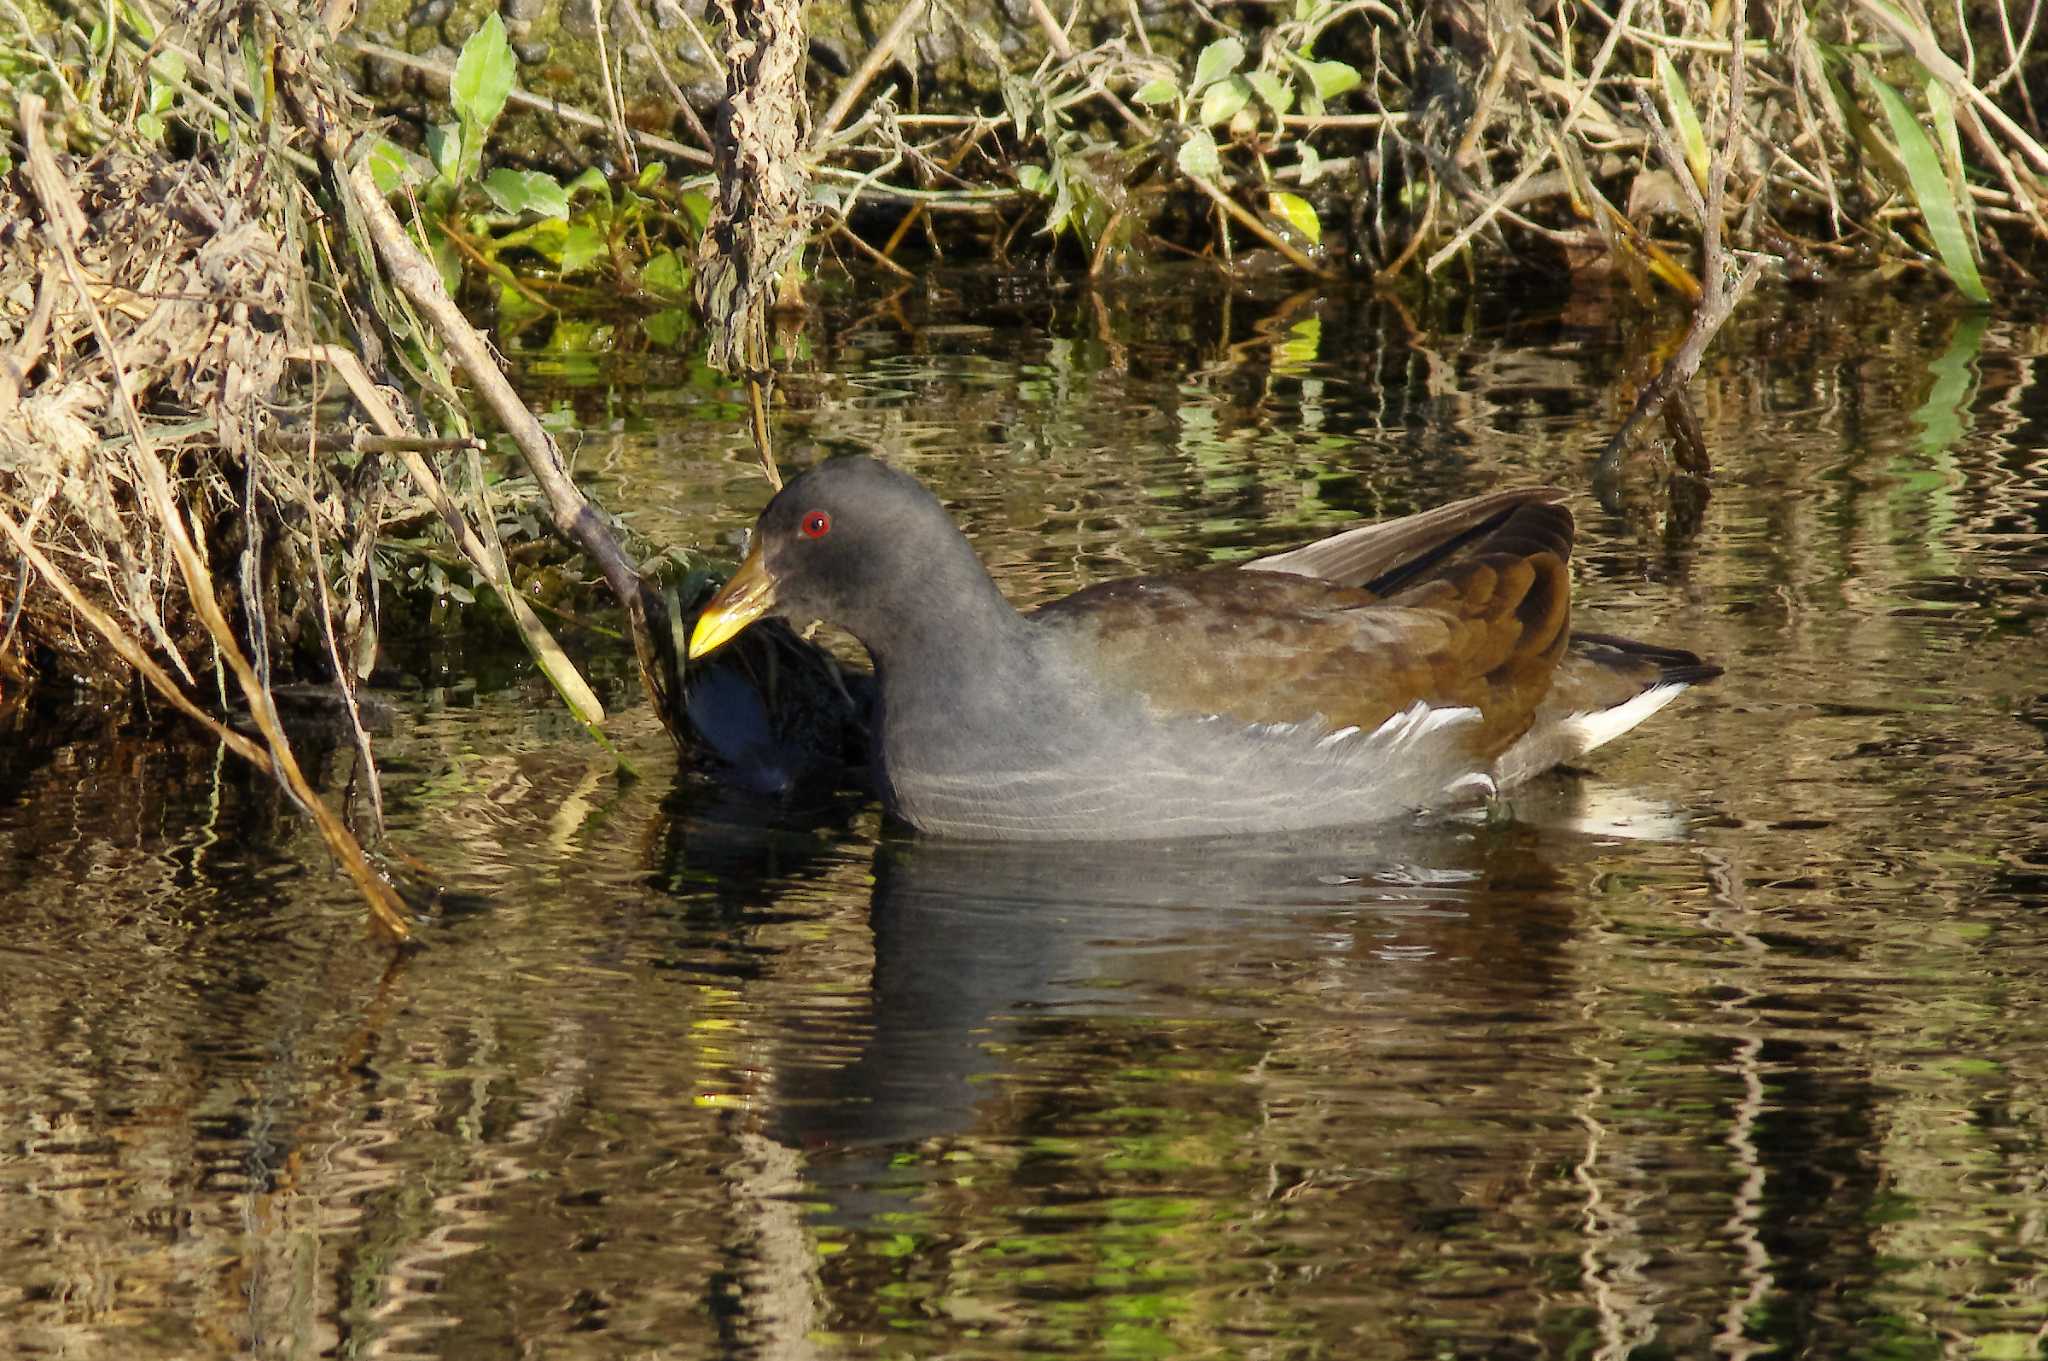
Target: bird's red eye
816, 525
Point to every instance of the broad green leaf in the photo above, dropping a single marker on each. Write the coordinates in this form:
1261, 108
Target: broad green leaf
1277, 93
444, 149
1197, 157
1298, 213
591, 181
526, 191
1690, 138
483, 75
696, 206
1932, 192
583, 244
1160, 91
390, 167
1332, 78
1034, 179
1311, 164
668, 328
1224, 99
667, 273
1218, 60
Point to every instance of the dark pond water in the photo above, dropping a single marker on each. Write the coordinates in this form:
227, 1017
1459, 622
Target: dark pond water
1736, 1046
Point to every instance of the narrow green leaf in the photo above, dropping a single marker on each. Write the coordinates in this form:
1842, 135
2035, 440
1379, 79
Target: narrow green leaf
1932, 192
1218, 60
1197, 157
1679, 100
1160, 91
483, 75
1942, 110
1298, 213
1332, 78
1277, 93
1224, 99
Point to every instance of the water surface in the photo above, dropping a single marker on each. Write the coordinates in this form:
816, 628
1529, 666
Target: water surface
1730, 1046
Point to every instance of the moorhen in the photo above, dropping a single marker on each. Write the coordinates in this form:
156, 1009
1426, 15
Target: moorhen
1410, 665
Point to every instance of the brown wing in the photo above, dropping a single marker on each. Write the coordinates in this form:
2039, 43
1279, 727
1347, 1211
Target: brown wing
1484, 630
1413, 544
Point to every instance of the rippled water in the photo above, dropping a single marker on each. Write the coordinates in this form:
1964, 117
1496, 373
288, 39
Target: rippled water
1737, 1045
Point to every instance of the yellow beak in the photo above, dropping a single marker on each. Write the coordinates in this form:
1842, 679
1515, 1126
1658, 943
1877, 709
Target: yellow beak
749, 595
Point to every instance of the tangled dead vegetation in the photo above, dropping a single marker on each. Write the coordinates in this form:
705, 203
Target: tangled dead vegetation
1398, 137
180, 500
184, 319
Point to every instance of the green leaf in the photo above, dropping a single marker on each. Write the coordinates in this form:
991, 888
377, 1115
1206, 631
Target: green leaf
1197, 157
1332, 78
1160, 91
391, 167
1298, 213
526, 191
1224, 100
483, 76
444, 149
514, 306
1034, 179
696, 206
1683, 114
1932, 192
1304, 339
583, 244
591, 181
668, 328
1277, 93
1311, 164
1218, 60
1942, 110
667, 273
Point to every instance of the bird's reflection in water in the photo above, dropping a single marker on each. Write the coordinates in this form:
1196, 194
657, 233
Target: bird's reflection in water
980, 947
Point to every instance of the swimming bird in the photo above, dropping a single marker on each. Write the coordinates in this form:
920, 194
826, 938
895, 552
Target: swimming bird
1398, 667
